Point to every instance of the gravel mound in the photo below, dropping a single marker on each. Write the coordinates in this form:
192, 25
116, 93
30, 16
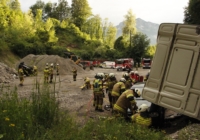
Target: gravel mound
66, 65
7, 74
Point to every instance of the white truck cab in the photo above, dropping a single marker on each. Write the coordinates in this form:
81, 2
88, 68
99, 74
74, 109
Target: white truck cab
174, 80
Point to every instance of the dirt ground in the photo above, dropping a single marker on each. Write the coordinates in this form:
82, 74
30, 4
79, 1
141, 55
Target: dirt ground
79, 103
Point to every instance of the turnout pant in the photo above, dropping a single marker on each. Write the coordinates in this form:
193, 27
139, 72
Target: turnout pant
99, 101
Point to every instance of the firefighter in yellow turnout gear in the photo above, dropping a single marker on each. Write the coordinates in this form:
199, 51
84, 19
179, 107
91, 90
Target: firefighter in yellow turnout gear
128, 83
46, 74
111, 82
21, 75
126, 101
74, 71
35, 72
117, 90
142, 117
57, 69
51, 73
98, 92
87, 84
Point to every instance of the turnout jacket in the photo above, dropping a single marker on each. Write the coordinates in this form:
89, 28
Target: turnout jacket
125, 101
118, 88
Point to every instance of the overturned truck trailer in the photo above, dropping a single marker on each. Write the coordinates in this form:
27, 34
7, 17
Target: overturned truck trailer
174, 80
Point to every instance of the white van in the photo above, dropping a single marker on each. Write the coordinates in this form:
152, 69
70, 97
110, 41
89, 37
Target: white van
108, 64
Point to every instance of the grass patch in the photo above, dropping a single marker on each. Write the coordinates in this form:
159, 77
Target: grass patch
39, 118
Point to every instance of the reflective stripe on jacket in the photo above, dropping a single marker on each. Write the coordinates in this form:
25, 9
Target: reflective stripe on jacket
117, 88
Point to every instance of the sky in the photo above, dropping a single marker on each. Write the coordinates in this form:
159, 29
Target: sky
156, 11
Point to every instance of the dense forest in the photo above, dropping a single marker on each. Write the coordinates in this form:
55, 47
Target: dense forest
53, 28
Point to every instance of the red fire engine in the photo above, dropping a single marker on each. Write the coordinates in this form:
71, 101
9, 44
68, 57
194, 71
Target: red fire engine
124, 64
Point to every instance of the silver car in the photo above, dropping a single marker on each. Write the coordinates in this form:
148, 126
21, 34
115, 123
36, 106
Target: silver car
140, 100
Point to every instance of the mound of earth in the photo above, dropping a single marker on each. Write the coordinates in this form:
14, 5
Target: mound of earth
7, 74
66, 65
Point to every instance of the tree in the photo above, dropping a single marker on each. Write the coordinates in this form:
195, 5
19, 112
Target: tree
110, 35
60, 11
120, 44
38, 5
129, 24
15, 5
137, 50
93, 27
150, 51
104, 26
80, 12
192, 12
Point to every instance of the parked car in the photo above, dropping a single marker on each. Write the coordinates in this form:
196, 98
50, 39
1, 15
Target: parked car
140, 100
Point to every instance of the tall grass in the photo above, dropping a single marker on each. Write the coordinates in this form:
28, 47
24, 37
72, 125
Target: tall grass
27, 118
39, 118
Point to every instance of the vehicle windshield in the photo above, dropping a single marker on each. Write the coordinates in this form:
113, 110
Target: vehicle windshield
119, 62
147, 61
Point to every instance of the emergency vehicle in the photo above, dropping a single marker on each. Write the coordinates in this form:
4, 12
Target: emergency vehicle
124, 64
108, 64
146, 63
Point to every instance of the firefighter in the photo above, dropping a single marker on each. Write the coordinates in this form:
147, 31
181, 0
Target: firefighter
132, 75
111, 82
136, 77
128, 83
126, 101
87, 84
47, 65
117, 90
46, 74
105, 82
142, 117
74, 73
98, 92
51, 73
35, 70
136, 66
94, 99
57, 69
21, 75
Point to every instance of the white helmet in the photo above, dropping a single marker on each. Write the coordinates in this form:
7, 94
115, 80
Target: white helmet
100, 75
132, 72
111, 75
143, 108
47, 64
52, 64
137, 91
125, 74
122, 80
57, 64
136, 72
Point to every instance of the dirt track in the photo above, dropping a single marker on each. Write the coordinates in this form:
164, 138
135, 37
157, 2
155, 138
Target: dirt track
79, 102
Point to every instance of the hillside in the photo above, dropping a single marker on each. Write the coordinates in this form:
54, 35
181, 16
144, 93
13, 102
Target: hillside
8, 58
148, 28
